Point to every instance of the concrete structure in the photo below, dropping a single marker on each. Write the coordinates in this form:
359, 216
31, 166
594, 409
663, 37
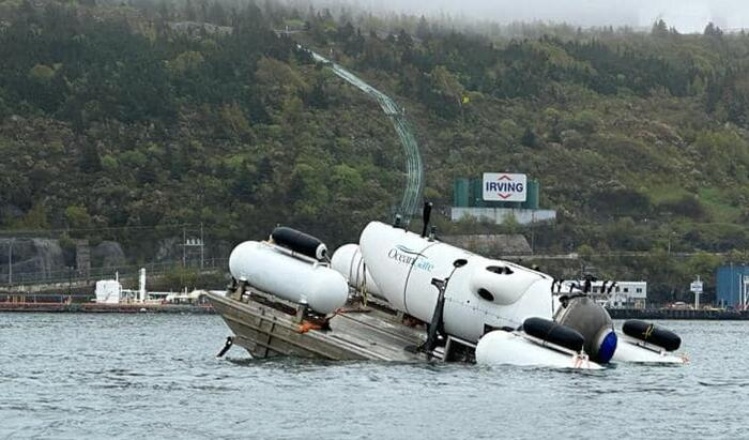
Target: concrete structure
494, 245
83, 258
500, 215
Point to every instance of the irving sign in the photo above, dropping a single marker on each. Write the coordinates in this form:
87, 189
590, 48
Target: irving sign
503, 187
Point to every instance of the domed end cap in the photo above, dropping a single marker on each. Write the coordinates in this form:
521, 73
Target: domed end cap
606, 346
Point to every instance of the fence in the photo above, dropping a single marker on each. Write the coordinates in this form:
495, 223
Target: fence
72, 276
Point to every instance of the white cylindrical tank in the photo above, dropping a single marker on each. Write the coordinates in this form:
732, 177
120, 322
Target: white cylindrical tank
480, 293
347, 260
302, 281
142, 285
509, 348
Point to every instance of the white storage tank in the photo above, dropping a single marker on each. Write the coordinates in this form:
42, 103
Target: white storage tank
294, 278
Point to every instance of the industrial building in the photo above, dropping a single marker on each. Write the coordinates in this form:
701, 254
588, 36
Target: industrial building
498, 196
625, 294
732, 286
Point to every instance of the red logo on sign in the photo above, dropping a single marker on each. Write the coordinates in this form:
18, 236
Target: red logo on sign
504, 187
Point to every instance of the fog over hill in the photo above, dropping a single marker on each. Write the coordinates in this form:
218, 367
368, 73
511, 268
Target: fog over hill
687, 16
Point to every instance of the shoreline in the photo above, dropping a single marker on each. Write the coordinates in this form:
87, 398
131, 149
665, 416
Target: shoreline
36, 307
680, 314
57, 307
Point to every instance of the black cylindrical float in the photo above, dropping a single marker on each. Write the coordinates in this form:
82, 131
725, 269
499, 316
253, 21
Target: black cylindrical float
299, 242
554, 333
648, 332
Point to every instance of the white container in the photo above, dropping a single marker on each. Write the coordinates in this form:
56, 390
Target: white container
299, 280
108, 292
510, 348
478, 294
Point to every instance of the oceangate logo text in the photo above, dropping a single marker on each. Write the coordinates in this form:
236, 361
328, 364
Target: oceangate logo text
404, 255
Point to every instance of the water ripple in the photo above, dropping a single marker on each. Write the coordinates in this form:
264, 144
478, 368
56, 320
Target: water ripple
128, 376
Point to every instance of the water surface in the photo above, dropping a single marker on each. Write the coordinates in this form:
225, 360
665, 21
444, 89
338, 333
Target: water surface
101, 376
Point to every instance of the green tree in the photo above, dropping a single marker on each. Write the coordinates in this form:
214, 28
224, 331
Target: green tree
77, 217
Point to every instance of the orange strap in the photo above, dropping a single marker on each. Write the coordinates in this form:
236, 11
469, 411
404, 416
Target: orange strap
306, 326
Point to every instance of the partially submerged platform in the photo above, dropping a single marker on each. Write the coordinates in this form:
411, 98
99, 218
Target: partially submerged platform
267, 329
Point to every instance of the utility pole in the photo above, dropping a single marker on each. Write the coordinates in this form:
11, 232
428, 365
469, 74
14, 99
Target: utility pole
184, 247
10, 261
201, 246
533, 232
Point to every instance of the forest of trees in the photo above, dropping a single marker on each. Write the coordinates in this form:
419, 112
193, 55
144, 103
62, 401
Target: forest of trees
119, 121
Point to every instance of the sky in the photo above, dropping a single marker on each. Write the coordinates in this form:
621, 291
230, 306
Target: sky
687, 16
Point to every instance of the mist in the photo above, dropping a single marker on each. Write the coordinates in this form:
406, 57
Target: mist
687, 16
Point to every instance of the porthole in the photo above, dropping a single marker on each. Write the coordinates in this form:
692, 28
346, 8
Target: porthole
485, 294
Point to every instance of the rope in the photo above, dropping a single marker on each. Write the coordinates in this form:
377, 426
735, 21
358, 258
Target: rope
648, 332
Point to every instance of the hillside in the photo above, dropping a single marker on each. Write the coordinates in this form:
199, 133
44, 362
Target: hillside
125, 122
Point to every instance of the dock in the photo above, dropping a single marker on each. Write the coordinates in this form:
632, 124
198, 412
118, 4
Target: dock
268, 328
72, 307
674, 313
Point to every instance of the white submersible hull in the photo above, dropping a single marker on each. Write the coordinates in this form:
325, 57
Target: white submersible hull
514, 348
479, 293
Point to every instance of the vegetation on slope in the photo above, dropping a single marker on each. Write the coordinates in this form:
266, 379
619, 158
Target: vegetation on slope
121, 122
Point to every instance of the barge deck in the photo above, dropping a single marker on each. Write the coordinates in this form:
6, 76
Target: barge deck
267, 328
